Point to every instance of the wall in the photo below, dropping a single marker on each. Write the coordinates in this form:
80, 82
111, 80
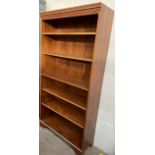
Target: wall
42, 5
105, 129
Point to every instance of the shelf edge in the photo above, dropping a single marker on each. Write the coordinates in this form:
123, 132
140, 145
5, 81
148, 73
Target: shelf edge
68, 57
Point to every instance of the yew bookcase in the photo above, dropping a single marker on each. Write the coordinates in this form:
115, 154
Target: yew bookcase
73, 56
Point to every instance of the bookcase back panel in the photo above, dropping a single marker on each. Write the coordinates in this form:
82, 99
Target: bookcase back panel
76, 24
69, 45
71, 69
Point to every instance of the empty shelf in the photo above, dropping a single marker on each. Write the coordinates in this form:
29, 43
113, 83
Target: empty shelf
64, 129
73, 115
67, 80
74, 99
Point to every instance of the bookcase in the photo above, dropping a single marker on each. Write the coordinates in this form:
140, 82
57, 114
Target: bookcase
73, 57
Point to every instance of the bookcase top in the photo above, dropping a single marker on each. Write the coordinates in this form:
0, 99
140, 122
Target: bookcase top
88, 9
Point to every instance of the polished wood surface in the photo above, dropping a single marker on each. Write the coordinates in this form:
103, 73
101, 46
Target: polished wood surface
67, 80
66, 111
69, 33
105, 19
68, 96
73, 57
65, 92
69, 56
91, 9
72, 9
78, 46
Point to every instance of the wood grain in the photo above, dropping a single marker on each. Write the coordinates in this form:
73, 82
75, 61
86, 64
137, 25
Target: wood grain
66, 111
69, 56
73, 57
68, 96
91, 9
69, 33
69, 45
97, 72
70, 81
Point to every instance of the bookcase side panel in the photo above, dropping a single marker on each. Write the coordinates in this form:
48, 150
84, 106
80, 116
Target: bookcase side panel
104, 26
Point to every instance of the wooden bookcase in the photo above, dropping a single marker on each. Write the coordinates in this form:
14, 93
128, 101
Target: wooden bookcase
73, 56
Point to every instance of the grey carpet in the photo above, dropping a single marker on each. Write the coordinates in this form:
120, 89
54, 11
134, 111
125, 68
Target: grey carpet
50, 144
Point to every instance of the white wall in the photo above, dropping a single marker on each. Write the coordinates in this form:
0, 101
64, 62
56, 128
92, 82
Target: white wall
56, 4
105, 129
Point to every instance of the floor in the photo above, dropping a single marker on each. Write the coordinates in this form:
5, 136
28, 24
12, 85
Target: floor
50, 144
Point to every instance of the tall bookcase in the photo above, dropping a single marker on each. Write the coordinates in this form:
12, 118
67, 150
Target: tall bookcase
73, 56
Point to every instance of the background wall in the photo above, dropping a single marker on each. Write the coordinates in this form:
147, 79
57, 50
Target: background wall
42, 5
105, 129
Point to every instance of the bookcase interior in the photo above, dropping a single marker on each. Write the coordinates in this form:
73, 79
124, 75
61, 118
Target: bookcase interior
62, 127
75, 46
73, 24
66, 61
75, 70
70, 94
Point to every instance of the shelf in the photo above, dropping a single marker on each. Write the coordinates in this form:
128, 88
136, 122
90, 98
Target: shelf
67, 80
71, 114
64, 129
74, 99
79, 45
68, 57
70, 33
